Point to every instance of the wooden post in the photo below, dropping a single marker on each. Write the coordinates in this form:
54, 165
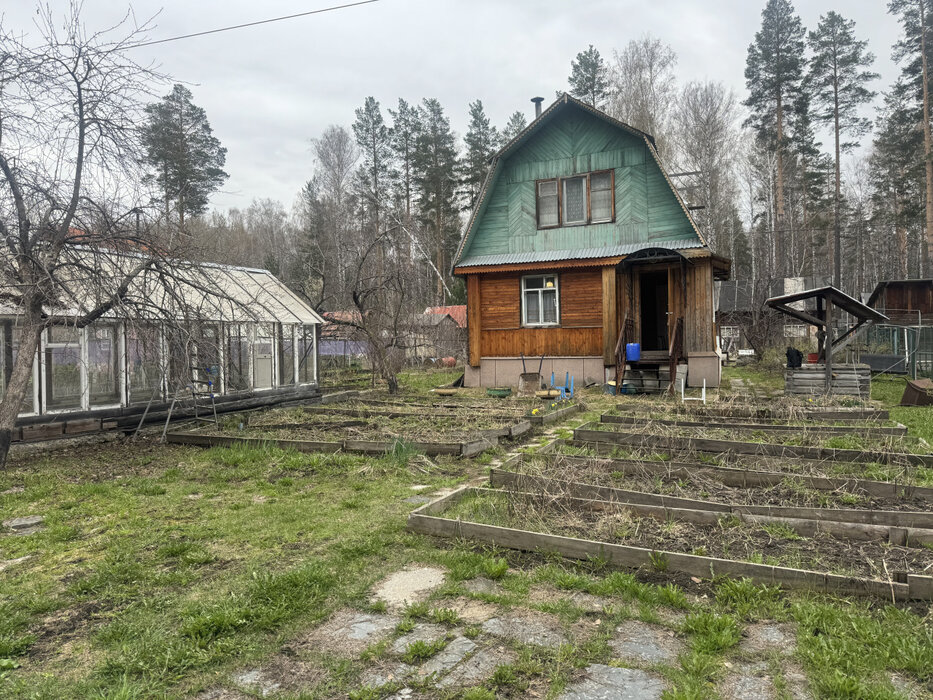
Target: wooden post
828, 345
474, 324
610, 323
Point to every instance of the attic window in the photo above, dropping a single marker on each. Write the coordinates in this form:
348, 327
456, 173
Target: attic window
548, 211
577, 200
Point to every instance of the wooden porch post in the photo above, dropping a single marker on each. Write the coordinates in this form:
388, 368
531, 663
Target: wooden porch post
828, 346
474, 325
610, 315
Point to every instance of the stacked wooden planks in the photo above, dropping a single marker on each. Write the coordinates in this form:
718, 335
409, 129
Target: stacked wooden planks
851, 380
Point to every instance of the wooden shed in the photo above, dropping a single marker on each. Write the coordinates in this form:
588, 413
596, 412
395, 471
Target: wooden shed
579, 241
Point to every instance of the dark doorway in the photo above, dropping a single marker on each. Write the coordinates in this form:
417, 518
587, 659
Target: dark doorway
653, 289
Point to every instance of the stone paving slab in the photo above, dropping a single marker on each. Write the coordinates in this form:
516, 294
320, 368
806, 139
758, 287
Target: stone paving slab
26, 525
376, 676
609, 683
418, 499
527, 628
449, 657
349, 632
7, 563
279, 674
767, 637
749, 682
220, 694
647, 643
484, 586
584, 601
408, 586
423, 632
909, 688
478, 667
471, 611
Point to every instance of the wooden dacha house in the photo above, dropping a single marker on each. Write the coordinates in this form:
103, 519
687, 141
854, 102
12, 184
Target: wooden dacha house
579, 245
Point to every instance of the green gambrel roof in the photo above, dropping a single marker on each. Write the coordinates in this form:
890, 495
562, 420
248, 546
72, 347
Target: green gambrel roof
572, 137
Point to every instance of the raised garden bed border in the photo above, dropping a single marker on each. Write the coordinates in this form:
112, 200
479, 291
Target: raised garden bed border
836, 414
908, 520
748, 478
586, 434
426, 520
460, 449
898, 430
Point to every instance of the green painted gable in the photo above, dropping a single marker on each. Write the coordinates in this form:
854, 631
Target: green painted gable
572, 141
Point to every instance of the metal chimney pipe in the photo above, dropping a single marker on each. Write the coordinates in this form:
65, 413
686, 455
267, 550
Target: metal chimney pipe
537, 101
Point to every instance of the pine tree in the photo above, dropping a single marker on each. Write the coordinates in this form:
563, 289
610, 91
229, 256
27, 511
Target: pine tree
372, 136
481, 142
836, 85
589, 78
514, 126
435, 179
773, 75
403, 138
914, 49
897, 173
186, 157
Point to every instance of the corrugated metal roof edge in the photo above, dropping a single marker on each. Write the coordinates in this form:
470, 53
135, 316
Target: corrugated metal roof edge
537, 123
576, 254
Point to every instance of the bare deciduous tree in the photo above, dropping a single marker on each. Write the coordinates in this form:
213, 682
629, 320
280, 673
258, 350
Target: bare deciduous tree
72, 249
644, 89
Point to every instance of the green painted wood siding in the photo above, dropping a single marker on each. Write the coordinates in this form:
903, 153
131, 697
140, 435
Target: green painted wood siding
578, 142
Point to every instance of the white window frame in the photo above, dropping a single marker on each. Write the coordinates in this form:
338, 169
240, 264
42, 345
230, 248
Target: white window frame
540, 324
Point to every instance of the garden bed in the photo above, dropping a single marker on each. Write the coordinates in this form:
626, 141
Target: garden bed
737, 486
602, 432
732, 548
462, 431
868, 430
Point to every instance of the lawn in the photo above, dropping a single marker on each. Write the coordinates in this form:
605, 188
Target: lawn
165, 569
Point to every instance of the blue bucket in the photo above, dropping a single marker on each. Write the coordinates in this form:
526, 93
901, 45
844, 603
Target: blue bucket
633, 352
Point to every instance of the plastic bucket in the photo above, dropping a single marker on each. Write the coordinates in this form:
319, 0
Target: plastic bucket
633, 352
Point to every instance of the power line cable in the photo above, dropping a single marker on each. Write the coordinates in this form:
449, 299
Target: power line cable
253, 24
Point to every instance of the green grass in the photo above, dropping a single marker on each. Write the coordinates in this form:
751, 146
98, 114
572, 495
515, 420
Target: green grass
164, 569
191, 560
888, 390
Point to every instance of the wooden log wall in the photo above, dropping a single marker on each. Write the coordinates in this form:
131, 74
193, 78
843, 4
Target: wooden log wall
500, 332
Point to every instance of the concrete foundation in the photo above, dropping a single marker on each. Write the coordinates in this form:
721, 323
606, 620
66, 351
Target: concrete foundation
505, 371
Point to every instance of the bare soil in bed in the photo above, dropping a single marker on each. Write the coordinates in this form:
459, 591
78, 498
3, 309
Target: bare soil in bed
731, 539
702, 487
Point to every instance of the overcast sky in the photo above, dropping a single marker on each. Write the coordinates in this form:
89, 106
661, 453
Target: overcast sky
268, 90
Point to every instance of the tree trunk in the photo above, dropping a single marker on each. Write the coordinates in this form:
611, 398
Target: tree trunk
928, 156
12, 400
837, 233
779, 194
